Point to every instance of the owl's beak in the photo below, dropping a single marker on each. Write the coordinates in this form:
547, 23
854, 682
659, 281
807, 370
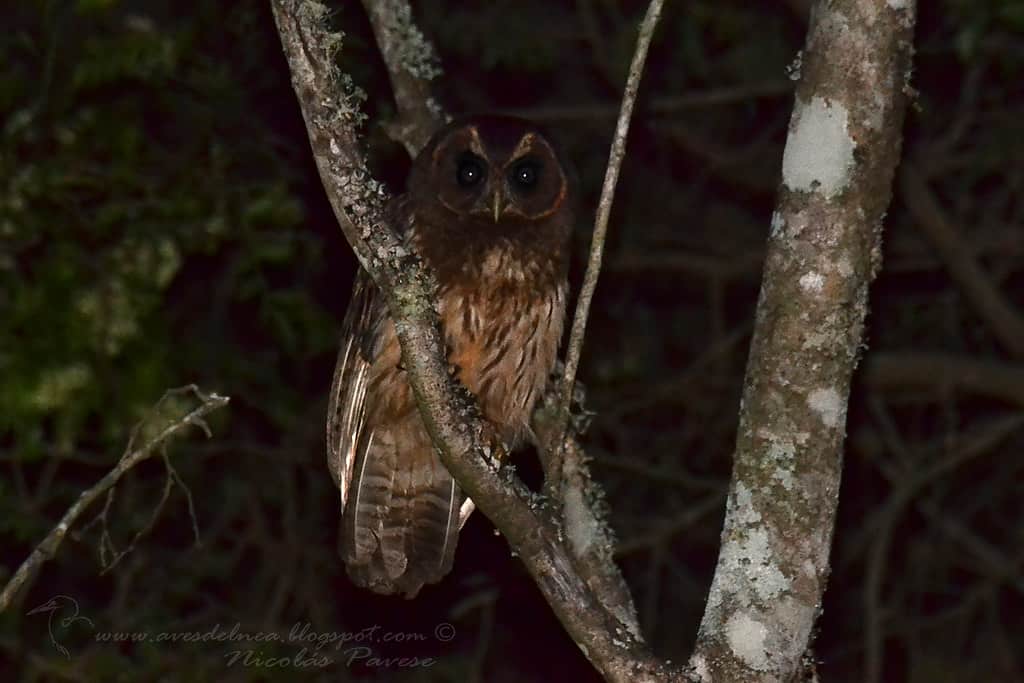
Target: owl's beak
496, 204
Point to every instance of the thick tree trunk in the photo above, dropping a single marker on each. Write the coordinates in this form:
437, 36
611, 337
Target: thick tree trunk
823, 251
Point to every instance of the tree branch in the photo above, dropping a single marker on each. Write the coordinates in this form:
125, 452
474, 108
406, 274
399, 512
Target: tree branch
47, 549
840, 158
331, 113
591, 539
412, 63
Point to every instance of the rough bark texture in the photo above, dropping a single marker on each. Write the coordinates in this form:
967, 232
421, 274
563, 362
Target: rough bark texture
412, 64
823, 251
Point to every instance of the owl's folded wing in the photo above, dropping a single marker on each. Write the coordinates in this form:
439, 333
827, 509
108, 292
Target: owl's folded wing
346, 409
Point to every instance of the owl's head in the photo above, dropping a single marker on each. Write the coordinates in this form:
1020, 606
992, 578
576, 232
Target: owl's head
493, 169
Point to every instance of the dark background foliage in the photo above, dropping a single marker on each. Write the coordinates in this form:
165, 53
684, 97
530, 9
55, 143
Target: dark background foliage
161, 223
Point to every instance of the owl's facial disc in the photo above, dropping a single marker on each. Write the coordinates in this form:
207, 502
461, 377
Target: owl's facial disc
497, 170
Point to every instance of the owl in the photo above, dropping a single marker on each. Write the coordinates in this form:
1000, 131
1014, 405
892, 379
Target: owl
489, 208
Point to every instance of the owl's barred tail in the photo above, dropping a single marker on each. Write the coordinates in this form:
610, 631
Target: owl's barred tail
401, 522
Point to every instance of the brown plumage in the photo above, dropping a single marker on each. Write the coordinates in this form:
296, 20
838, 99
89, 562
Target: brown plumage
490, 210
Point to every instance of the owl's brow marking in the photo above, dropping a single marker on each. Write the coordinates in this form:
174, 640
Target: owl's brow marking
475, 143
524, 146
476, 146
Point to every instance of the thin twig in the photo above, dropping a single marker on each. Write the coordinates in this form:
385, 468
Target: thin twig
604, 208
49, 545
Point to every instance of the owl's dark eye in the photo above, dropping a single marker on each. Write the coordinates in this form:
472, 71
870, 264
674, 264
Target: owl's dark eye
470, 172
525, 174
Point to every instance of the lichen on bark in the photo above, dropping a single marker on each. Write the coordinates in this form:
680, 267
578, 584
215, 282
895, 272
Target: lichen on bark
823, 251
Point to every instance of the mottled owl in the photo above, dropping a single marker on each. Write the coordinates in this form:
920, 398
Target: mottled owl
489, 208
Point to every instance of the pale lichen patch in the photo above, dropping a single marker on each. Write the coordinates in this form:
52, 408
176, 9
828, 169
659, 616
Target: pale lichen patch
700, 668
817, 340
414, 52
746, 637
795, 631
828, 404
812, 282
785, 477
819, 151
780, 457
581, 527
843, 266
746, 514
750, 564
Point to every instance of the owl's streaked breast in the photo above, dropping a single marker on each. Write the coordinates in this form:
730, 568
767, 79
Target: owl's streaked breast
503, 339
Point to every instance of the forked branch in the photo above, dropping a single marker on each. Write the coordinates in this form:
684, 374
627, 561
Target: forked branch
332, 116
